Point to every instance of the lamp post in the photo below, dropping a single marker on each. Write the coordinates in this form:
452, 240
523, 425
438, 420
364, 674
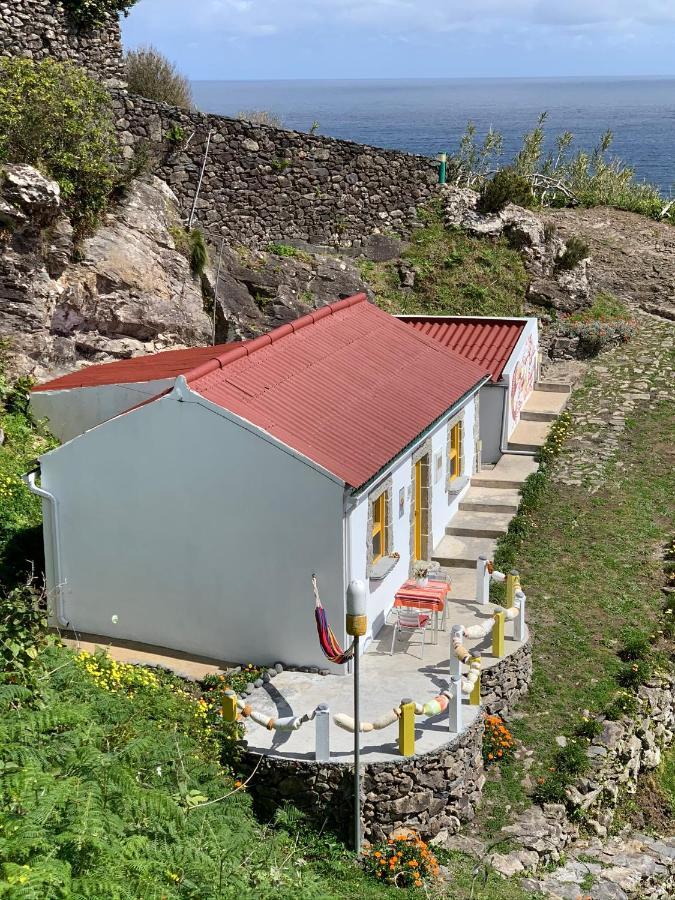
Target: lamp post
357, 623
443, 167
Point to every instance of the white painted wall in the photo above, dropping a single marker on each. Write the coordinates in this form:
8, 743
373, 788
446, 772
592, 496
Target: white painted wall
444, 506
492, 399
521, 372
72, 412
198, 534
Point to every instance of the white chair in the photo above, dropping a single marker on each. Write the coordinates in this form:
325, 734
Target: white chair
410, 620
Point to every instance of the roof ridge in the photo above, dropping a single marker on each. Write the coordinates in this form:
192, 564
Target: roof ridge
250, 346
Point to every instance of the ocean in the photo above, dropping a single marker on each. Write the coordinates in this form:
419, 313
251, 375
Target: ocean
429, 115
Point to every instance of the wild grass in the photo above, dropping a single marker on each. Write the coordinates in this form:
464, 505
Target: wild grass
455, 274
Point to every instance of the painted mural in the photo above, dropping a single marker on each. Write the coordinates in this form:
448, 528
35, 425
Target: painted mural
523, 378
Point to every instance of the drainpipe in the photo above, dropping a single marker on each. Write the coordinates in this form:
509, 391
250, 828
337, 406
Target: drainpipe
503, 443
59, 611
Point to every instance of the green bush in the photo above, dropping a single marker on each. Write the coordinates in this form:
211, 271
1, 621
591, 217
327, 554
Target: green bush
506, 187
632, 674
571, 759
150, 74
621, 704
635, 644
23, 633
588, 728
199, 254
576, 250
53, 116
90, 13
550, 789
596, 336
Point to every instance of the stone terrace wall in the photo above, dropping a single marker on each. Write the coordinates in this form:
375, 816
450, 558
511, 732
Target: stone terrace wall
428, 793
40, 28
502, 685
266, 184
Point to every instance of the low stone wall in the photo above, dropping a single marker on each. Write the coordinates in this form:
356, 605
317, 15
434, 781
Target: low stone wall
39, 28
502, 685
265, 184
428, 793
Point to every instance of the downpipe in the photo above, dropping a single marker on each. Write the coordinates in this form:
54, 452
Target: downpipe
59, 611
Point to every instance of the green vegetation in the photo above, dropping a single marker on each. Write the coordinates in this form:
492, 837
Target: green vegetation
91, 13
575, 252
591, 555
175, 135
562, 177
287, 250
505, 187
199, 254
454, 274
53, 116
150, 74
605, 308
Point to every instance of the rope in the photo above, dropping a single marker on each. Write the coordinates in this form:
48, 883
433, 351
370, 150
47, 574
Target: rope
287, 723
329, 643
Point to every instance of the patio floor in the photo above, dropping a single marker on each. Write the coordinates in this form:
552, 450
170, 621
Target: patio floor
385, 681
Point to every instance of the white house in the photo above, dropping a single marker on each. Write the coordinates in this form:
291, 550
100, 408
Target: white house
197, 491
506, 348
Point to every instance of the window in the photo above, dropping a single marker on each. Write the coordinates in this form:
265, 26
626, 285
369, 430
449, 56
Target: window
379, 535
456, 451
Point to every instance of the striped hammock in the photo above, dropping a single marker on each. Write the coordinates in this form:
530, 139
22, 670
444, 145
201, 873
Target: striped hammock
329, 643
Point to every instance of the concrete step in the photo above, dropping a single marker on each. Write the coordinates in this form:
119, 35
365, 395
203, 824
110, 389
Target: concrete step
528, 415
509, 473
462, 552
490, 500
529, 436
553, 387
468, 523
550, 402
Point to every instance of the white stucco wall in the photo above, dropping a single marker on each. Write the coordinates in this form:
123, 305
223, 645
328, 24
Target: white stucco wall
443, 507
198, 534
72, 412
521, 372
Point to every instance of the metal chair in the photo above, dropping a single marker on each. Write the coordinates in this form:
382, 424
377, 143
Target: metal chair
411, 620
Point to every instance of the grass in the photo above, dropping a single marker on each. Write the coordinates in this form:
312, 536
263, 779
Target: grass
605, 307
591, 569
455, 274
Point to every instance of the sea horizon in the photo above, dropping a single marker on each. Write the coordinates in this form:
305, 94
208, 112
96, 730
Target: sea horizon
429, 115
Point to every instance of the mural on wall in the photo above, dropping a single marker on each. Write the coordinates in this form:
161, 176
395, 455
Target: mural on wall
523, 378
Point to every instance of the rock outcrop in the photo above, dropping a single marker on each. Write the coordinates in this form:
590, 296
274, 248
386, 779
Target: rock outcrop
551, 286
130, 290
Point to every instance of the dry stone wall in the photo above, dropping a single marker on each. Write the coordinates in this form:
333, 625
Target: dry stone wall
428, 793
264, 184
40, 28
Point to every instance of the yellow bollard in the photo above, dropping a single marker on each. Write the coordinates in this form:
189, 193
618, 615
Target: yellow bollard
230, 706
474, 696
512, 585
406, 728
498, 635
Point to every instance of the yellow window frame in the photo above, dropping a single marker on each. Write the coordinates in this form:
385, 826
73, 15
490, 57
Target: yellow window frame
379, 533
455, 454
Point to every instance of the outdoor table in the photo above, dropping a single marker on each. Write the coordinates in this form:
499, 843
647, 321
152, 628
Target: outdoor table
431, 597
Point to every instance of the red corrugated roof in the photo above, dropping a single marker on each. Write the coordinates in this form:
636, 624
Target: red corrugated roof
167, 364
348, 386
488, 342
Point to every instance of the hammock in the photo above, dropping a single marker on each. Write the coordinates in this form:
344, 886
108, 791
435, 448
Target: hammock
329, 643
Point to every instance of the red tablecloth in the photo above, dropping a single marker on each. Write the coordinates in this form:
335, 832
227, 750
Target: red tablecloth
431, 597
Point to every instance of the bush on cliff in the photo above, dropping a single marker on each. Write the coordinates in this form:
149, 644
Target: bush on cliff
93, 13
56, 118
152, 75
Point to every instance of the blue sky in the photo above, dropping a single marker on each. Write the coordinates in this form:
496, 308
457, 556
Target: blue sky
265, 39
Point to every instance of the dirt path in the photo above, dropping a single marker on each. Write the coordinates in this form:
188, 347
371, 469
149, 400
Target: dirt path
633, 257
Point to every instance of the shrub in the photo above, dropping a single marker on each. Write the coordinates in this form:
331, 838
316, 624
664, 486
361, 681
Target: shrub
588, 728
23, 624
594, 337
621, 704
506, 187
634, 645
575, 251
176, 134
199, 254
261, 117
605, 308
550, 789
497, 741
632, 674
150, 74
571, 759
405, 861
90, 13
53, 116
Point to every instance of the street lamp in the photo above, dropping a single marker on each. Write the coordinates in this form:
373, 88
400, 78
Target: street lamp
357, 624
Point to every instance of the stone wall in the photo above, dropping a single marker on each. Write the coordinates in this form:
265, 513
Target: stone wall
428, 793
265, 184
40, 28
502, 685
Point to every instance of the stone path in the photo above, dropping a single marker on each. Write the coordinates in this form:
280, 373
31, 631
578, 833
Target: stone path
617, 384
626, 866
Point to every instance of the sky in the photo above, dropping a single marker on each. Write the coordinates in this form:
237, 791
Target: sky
275, 39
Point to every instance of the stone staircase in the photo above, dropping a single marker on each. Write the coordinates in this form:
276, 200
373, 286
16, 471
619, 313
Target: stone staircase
494, 494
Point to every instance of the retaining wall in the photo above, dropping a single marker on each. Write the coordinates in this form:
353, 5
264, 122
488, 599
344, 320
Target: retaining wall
265, 184
501, 686
39, 28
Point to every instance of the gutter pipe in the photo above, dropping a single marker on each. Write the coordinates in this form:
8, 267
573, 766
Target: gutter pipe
29, 480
